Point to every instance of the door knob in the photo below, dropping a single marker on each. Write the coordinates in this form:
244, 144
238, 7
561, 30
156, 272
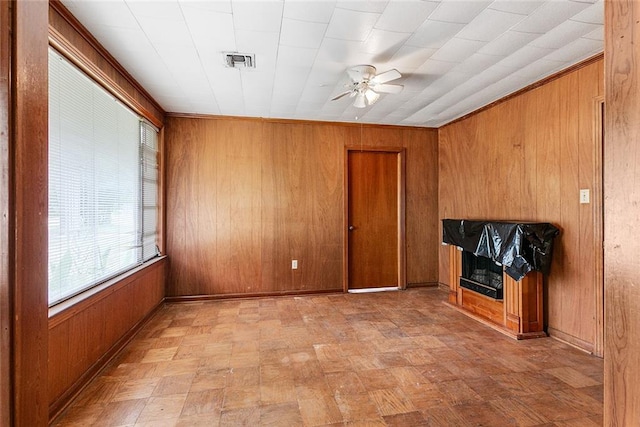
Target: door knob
351, 228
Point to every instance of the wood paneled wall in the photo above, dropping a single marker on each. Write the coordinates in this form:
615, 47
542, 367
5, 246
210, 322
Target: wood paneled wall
85, 336
5, 236
622, 198
246, 196
526, 159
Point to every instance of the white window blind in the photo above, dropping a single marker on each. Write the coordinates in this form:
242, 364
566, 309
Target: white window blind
96, 174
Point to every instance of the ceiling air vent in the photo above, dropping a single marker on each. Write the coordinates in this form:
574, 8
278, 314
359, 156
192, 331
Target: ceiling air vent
239, 60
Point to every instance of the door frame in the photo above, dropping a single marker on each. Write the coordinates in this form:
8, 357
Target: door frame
402, 247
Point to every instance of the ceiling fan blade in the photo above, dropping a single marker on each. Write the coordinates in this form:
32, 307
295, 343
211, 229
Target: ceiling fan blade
385, 88
387, 76
371, 96
360, 101
361, 72
342, 95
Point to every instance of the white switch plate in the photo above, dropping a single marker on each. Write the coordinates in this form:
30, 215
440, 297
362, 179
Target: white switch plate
584, 196
294, 264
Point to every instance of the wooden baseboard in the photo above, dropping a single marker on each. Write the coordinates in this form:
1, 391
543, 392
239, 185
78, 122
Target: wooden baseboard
422, 285
198, 298
61, 403
571, 340
444, 287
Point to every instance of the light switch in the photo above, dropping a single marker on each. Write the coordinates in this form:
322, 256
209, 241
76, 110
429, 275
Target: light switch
584, 196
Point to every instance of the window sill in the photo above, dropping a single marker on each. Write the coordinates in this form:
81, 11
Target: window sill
90, 296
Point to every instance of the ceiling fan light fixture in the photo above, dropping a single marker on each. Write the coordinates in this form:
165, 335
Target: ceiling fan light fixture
372, 96
366, 85
361, 101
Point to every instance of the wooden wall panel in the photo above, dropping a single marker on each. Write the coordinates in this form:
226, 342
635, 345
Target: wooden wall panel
423, 238
526, 159
28, 214
6, 386
246, 196
622, 198
85, 336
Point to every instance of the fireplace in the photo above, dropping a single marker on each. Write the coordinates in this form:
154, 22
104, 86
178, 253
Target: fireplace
481, 275
496, 272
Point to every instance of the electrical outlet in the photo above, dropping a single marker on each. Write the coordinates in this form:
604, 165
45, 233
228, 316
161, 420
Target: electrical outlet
294, 264
584, 196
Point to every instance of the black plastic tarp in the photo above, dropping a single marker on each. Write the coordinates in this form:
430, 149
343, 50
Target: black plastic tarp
520, 247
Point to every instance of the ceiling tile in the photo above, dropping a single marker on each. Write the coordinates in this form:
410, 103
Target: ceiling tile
351, 25
597, 34
507, 85
343, 51
210, 28
310, 11
540, 68
508, 43
558, 36
313, 94
114, 13
493, 74
291, 77
415, 82
169, 32
593, 14
575, 51
258, 42
477, 63
327, 73
221, 6
164, 10
302, 34
257, 88
296, 56
124, 39
405, 16
524, 56
524, 7
459, 11
550, 14
434, 34
442, 86
434, 67
257, 16
376, 6
457, 50
410, 57
384, 44
489, 24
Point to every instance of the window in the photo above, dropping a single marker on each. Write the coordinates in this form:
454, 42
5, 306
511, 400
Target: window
103, 184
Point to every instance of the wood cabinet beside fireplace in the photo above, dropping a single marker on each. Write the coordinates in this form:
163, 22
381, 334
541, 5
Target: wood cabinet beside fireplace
519, 314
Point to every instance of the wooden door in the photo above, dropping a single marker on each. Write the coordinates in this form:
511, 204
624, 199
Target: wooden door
375, 219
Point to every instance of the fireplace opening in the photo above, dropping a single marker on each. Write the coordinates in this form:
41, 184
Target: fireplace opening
482, 275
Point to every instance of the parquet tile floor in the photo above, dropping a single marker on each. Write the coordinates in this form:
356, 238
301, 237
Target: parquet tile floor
380, 359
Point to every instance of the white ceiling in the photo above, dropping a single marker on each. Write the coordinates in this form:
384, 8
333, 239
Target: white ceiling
455, 56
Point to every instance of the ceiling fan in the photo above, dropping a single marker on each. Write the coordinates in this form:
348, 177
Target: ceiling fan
366, 86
